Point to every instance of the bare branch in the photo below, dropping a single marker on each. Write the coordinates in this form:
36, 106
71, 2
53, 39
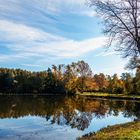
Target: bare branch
121, 19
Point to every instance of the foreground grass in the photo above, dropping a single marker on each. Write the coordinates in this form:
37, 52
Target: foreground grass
107, 95
128, 131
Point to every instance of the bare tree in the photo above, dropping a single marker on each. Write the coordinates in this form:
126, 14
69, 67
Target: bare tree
121, 19
134, 63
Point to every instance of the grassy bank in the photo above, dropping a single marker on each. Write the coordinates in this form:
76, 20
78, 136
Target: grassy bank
107, 95
128, 131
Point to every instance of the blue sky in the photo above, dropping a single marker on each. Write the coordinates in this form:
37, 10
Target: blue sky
34, 34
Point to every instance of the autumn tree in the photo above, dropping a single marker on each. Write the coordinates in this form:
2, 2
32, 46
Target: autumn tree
101, 81
52, 84
116, 85
121, 19
81, 70
137, 82
128, 82
70, 80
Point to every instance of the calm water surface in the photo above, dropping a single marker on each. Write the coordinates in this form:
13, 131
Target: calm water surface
60, 118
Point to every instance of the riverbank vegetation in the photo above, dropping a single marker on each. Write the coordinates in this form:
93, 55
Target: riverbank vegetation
110, 96
117, 132
73, 78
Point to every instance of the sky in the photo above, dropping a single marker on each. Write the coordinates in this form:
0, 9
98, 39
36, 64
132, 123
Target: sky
34, 34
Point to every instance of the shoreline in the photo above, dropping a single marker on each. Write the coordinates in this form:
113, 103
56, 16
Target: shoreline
110, 96
84, 94
124, 131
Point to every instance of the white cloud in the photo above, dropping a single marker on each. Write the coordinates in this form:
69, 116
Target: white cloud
33, 42
48, 6
10, 57
111, 70
25, 43
6, 4
18, 56
20, 32
118, 69
32, 65
79, 7
106, 53
57, 5
89, 13
68, 48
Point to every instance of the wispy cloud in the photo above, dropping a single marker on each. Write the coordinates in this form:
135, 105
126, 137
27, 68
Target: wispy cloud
12, 31
89, 13
32, 65
36, 33
45, 7
106, 53
58, 17
33, 42
31, 30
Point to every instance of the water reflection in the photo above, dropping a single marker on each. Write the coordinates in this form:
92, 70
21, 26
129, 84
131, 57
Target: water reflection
76, 112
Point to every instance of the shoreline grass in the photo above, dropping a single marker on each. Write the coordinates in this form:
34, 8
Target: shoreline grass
127, 131
108, 95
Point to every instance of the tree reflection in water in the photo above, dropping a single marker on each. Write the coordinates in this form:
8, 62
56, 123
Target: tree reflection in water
74, 111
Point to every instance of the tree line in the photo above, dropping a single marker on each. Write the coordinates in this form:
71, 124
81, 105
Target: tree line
67, 79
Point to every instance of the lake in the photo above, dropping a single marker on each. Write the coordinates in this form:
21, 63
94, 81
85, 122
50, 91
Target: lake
60, 118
